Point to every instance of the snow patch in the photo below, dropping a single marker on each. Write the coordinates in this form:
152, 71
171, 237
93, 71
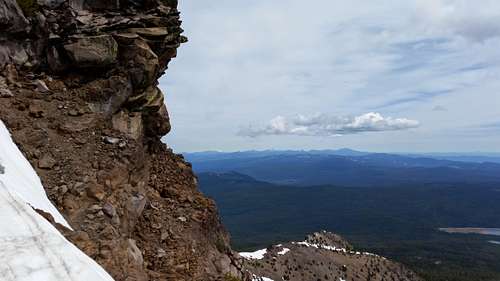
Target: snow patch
31, 249
257, 278
20, 178
333, 248
283, 252
257, 255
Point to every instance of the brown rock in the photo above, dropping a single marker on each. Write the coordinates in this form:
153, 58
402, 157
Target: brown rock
143, 63
135, 255
96, 192
92, 51
47, 162
129, 124
151, 32
36, 110
136, 205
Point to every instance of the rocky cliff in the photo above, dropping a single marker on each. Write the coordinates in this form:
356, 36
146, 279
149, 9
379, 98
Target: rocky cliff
79, 93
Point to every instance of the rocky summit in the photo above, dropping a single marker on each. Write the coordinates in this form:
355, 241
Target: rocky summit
79, 93
323, 256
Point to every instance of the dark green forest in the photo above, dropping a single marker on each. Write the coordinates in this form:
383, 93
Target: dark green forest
399, 222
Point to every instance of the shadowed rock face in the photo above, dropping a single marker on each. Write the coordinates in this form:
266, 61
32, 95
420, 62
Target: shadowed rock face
79, 93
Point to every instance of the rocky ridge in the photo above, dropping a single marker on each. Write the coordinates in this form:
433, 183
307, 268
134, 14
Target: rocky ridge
323, 256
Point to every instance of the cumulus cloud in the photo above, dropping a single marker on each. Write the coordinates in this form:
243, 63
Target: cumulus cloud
325, 125
251, 58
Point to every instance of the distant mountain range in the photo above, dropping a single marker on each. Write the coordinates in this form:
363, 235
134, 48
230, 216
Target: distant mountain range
346, 167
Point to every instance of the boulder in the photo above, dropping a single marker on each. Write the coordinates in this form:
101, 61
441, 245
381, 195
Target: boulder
4, 90
92, 51
98, 5
136, 205
142, 63
50, 3
151, 32
158, 123
129, 124
47, 162
150, 100
54, 60
12, 19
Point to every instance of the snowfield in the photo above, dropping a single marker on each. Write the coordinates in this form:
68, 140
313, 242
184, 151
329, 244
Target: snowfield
31, 249
257, 255
257, 278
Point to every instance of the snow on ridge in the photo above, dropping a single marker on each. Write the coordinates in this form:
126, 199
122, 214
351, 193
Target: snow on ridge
333, 248
257, 255
20, 177
257, 278
283, 252
31, 248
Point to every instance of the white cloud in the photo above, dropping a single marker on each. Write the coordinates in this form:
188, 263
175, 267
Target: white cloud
247, 60
325, 125
475, 20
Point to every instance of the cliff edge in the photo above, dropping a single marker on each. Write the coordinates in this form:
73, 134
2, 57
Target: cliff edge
79, 94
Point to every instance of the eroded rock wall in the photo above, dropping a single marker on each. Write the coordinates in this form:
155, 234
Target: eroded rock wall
79, 92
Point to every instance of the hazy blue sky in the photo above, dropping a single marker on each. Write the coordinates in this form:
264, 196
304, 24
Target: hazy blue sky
378, 75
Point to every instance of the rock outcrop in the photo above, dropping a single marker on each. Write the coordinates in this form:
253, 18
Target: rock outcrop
79, 93
323, 256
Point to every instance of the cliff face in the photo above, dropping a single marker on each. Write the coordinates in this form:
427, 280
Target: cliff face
78, 91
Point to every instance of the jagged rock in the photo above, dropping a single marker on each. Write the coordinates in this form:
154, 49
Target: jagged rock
11, 74
46, 162
41, 86
151, 32
142, 62
97, 5
125, 38
12, 19
108, 95
150, 100
50, 3
158, 123
36, 110
109, 209
55, 60
4, 90
92, 51
129, 124
96, 192
136, 205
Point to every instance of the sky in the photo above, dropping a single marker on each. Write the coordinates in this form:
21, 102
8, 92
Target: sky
377, 75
